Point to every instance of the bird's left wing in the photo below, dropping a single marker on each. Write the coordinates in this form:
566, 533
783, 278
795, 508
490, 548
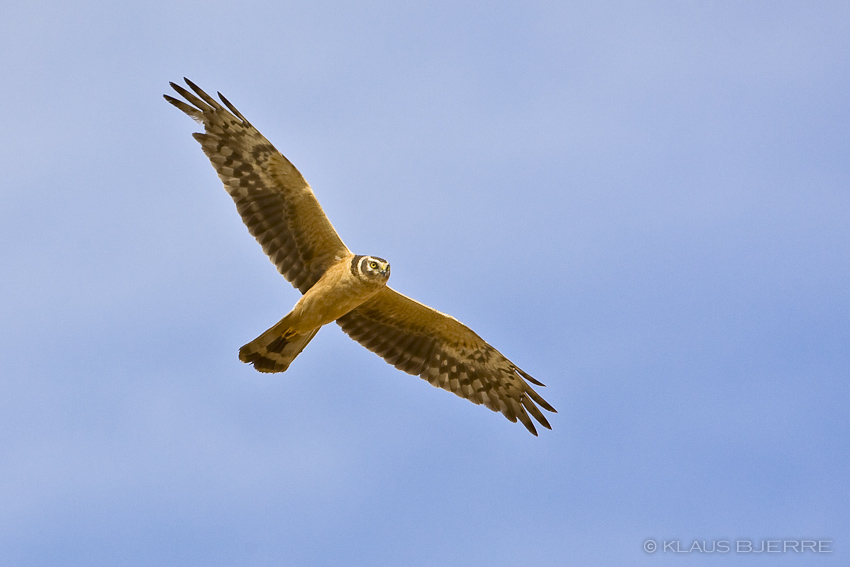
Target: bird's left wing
445, 352
275, 202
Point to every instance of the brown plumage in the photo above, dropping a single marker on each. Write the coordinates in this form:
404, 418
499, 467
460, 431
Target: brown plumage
282, 213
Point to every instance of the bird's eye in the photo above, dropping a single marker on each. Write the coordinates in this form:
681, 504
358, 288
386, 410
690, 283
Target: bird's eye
373, 265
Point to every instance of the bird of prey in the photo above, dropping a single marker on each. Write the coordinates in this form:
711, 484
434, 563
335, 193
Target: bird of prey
282, 213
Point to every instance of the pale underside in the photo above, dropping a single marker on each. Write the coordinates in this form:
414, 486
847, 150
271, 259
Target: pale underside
282, 213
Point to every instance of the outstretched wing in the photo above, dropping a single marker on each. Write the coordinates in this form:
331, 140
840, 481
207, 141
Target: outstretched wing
275, 202
445, 352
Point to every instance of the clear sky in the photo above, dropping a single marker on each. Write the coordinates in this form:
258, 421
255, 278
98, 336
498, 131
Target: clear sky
643, 204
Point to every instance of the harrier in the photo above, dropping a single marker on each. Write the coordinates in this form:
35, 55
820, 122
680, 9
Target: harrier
282, 213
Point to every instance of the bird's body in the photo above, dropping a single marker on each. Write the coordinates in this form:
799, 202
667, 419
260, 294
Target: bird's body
345, 285
282, 213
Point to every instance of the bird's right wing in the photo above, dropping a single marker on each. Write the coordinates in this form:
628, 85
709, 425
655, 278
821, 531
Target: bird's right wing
275, 202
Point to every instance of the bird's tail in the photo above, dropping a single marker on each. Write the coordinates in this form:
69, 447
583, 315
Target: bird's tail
271, 352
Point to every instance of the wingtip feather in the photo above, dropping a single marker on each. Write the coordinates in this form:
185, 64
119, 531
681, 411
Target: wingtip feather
232, 108
193, 112
201, 93
529, 377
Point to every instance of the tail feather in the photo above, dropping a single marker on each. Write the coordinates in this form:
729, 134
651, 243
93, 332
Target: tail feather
271, 352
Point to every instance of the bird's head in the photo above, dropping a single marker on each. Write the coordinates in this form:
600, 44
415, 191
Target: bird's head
374, 269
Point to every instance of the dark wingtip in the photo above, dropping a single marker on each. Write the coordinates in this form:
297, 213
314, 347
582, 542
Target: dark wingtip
529, 377
232, 108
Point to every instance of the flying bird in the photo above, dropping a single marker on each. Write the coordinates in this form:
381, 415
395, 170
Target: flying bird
282, 213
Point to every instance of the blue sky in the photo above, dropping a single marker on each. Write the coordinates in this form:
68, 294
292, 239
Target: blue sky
643, 204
